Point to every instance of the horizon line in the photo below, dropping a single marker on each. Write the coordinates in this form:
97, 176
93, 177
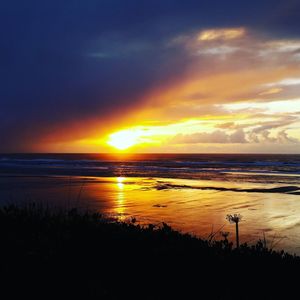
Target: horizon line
145, 153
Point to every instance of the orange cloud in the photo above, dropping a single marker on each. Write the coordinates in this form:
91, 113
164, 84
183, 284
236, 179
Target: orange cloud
221, 34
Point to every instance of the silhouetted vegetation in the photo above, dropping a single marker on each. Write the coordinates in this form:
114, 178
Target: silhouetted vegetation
69, 254
235, 219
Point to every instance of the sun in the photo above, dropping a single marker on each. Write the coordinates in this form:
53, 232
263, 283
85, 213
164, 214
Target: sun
125, 139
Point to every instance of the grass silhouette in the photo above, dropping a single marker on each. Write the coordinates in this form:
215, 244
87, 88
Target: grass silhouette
67, 254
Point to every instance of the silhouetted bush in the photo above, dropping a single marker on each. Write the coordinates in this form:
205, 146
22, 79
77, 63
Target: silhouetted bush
70, 254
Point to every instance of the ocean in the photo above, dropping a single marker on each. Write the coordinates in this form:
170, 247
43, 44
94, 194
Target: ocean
191, 192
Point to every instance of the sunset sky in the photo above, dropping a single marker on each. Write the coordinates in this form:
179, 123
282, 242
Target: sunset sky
150, 76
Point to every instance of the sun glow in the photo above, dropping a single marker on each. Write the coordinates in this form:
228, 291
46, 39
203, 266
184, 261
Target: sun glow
125, 139
146, 135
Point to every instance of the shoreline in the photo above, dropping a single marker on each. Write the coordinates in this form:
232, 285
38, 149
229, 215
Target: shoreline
186, 205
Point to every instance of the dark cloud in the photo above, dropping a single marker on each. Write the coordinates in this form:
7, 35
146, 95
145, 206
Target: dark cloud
264, 136
65, 62
239, 136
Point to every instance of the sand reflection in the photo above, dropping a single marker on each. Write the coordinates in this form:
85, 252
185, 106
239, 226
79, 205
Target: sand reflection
188, 205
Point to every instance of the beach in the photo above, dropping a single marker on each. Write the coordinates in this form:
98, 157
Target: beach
190, 193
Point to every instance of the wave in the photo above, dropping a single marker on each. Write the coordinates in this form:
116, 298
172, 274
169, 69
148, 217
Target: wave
291, 190
221, 167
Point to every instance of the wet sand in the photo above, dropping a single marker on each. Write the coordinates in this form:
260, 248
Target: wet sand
195, 206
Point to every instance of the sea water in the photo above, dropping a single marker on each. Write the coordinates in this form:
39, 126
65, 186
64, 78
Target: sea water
191, 192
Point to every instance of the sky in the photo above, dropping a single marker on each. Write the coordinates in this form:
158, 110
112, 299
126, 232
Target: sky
150, 76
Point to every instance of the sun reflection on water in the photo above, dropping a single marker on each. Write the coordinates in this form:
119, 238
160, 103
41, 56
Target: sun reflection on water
120, 182
120, 210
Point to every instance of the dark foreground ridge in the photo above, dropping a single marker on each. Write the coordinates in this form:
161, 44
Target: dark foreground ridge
67, 254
